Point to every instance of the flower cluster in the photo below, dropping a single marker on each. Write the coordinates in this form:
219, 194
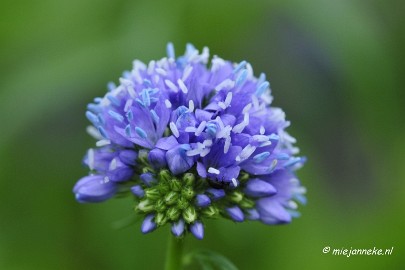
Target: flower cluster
191, 141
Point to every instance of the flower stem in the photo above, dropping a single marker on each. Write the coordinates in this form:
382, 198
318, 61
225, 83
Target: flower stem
174, 253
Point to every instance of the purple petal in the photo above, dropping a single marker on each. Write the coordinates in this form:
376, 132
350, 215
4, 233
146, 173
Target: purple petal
202, 171
157, 158
259, 188
167, 143
128, 157
94, 188
272, 212
178, 161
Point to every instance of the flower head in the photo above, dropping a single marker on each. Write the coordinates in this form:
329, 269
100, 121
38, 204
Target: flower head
190, 141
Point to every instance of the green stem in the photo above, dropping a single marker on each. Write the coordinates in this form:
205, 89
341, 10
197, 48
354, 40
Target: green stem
174, 254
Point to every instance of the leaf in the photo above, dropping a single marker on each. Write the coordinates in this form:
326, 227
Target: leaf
209, 260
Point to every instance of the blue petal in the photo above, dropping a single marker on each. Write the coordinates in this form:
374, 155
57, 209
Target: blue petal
94, 188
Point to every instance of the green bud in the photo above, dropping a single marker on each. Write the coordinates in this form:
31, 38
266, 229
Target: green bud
145, 205
173, 213
160, 205
211, 211
163, 188
182, 203
171, 198
160, 219
190, 215
243, 177
165, 175
188, 193
152, 194
189, 179
236, 196
175, 185
247, 203
147, 170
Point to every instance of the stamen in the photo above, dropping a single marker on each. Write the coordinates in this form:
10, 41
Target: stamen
116, 116
155, 117
234, 182
168, 103
161, 71
172, 86
102, 143
239, 67
151, 67
128, 105
182, 86
170, 50
92, 117
145, 97
213, 170
262, 88
141, 132
130, 115
260, 157
93, 132
228, 83
227, 144
187, 72
174, 129
147, 83
247, 108
114, 100
200, 128
191, 105
128, 131
262, 130
240, 80
90, 156
102, 132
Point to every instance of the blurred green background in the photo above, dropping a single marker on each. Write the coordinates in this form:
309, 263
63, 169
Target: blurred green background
336, 68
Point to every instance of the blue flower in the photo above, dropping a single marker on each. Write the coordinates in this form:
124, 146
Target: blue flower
191, 140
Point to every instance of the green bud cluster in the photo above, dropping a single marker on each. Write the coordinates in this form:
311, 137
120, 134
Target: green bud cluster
171, 198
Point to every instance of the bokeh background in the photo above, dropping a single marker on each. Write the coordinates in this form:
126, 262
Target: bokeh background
336, 68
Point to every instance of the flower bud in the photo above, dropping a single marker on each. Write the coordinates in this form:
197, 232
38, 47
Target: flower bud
138, 191
160, 205
211, 212
235, 213
189, 179
152, 194
145, 205
178, 228
148, 179
171, 198
246, 203
216, 193
197, 229
202, 200
160, 219
182, 203
148, 224
175, 185
165, 175
187, 193
189, 214
236, 196
173, 213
